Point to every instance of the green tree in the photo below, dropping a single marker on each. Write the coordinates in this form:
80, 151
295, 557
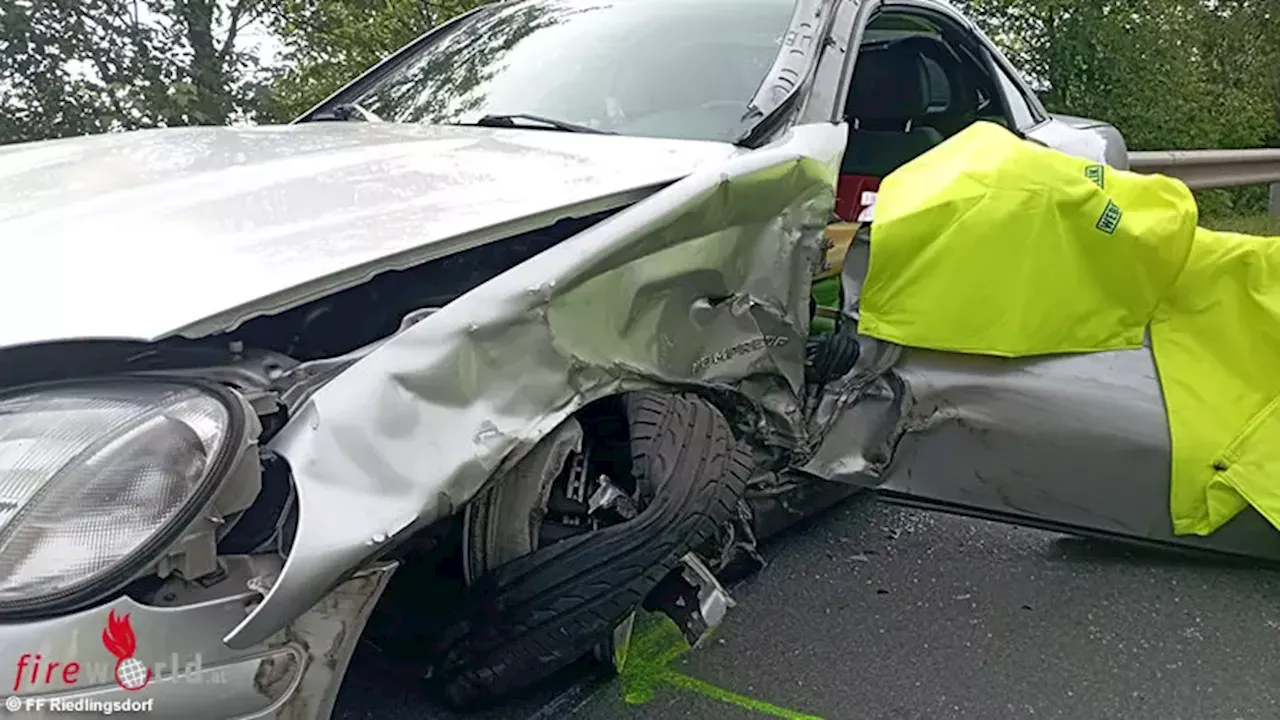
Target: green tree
330, 42
1171, 74
70, 67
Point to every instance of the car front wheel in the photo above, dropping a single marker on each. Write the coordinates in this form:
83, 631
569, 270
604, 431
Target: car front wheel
555, 565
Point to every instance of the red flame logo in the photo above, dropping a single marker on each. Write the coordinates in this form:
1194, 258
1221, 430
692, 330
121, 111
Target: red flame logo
119, 637
120, 641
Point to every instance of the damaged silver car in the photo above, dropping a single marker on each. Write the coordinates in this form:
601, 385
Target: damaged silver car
548, 317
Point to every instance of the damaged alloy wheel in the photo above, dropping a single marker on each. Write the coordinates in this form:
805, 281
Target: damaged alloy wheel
556, 565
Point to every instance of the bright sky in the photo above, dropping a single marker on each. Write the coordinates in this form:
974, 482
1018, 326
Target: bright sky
259, 40
255, 39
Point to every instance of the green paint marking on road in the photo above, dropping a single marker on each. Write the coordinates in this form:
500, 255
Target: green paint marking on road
655, 643
701, 687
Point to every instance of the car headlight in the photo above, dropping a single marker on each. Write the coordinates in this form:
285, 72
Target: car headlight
97, 478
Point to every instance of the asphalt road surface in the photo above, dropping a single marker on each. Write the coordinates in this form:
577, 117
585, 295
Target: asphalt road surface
873, 611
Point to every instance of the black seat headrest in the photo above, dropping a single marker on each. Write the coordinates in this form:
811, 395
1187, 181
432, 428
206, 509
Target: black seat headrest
890, 82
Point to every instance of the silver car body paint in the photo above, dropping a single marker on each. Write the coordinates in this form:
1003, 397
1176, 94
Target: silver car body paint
191, 231
1083, 137
702, 284
1078, 441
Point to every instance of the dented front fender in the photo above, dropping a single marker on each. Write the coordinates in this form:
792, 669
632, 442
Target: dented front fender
704, 284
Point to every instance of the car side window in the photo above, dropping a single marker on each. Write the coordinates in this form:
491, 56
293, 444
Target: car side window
984, 98
1015, 101
963, 83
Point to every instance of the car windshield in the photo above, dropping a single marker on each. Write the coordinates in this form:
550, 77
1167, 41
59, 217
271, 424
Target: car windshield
661, 68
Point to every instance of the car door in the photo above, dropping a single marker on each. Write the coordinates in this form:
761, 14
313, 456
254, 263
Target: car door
962, 78
1077, 444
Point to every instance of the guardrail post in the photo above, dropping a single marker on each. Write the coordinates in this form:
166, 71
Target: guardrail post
1275, 199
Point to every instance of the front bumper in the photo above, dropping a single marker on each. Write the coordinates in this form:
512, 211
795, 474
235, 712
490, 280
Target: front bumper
295, 673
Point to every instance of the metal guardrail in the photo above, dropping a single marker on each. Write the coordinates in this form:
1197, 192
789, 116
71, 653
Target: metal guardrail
1203, 169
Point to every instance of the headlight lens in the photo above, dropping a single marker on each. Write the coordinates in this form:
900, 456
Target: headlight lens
97, 478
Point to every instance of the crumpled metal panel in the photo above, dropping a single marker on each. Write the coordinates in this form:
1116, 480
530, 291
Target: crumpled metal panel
703, 284
855, 417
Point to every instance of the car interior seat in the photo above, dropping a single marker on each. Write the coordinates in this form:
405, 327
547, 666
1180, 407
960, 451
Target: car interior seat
888, 97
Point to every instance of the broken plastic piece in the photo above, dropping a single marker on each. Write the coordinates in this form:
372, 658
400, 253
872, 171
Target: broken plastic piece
611, 497
693, 598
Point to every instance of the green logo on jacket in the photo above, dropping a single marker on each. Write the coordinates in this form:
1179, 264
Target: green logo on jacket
1098, 174
1110, 219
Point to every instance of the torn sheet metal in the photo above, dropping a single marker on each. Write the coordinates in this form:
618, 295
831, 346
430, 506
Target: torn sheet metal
704, 284
855, 417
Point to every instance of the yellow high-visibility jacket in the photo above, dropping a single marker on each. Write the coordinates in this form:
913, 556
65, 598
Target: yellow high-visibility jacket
992, 245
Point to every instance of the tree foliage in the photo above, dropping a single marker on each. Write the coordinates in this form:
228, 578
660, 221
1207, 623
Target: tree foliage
1170, 74
329, 42
70, 67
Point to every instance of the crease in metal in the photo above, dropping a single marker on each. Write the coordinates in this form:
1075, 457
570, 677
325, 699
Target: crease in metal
703, 285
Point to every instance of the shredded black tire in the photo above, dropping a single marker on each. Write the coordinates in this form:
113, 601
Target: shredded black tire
536, 614
831, 357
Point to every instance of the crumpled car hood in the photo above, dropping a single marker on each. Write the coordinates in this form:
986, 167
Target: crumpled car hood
190, 231
703, 284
